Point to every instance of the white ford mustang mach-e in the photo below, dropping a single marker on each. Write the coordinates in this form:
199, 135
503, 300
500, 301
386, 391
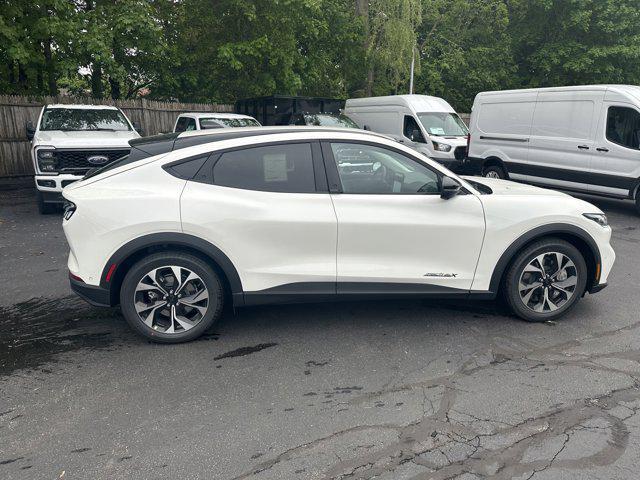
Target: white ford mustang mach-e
190, 221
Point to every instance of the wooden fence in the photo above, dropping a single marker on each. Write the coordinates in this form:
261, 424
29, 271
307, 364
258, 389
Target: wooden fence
154, 117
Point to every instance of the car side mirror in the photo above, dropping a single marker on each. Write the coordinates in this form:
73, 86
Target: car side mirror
137, 127
450, 188
31, 130
416, 136
366, 127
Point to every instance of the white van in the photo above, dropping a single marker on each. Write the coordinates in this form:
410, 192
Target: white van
428, 124
583, 139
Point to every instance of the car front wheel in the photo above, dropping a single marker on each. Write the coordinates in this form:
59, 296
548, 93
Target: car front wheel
545, 280
171, 297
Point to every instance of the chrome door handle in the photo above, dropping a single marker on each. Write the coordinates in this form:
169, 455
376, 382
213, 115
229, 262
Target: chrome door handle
602, 149
583, 147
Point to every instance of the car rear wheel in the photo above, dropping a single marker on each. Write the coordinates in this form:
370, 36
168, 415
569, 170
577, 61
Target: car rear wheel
494, 171
545, 280
171, 297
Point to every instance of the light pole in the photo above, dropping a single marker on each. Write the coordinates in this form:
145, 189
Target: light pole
413, 62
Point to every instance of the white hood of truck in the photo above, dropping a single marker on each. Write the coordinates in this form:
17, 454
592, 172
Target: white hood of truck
82, 139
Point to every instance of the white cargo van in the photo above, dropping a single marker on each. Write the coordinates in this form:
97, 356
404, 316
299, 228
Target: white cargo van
582, 139
428, 124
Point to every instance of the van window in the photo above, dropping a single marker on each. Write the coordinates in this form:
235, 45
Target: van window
410, 126
274, 168
565, 119
623, 127
506, 118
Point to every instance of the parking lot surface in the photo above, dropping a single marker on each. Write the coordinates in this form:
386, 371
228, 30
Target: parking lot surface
385, 390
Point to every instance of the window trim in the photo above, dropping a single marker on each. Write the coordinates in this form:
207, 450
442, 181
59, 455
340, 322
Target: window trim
335, 182
205, 174
606, 122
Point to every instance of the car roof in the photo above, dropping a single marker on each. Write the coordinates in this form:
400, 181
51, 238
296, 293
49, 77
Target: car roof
81, 106
155, 145
214, 115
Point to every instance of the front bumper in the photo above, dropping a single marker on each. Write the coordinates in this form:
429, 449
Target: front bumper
51, 186
466, 166
98, 296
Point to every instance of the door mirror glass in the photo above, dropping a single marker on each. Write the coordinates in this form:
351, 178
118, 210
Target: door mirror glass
450, 188
137, 127
31, 130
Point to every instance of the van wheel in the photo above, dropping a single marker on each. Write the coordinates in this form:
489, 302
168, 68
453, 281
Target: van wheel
171, 297
494, 171
43, 207
545, 280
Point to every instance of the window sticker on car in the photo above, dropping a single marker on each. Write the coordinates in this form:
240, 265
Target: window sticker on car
436, 131
275, 167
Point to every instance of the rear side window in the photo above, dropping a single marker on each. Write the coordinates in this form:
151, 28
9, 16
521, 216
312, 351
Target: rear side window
623, 127
563, 119
506, 118
274, 168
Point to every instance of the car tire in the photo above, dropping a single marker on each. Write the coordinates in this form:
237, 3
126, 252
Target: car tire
494, 171
164, 311
43, 207
537, 290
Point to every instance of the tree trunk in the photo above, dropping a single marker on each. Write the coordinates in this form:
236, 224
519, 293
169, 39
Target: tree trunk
115, 88
52, 82
22, 78
96, 81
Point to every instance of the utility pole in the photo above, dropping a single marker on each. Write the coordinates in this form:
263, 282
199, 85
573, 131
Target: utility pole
413, 62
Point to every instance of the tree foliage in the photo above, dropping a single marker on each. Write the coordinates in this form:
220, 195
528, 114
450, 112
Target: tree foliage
204, 50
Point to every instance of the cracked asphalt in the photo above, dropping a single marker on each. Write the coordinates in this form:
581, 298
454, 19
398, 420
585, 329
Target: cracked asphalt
385, 390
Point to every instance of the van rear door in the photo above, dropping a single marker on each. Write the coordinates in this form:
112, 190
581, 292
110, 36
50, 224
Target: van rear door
563, 138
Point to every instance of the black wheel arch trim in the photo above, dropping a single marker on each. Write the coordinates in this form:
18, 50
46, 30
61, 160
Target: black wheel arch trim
537, 233
172, 238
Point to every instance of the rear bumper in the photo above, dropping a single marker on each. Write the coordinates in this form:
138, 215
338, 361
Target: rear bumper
98, 296
466, 166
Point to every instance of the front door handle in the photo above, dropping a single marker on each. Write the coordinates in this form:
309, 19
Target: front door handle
602, 149
583, 147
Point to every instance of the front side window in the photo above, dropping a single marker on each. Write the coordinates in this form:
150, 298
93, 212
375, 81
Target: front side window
443, 124
84, 119
181, 124
273, 168
623, 127
374, 170
411, 129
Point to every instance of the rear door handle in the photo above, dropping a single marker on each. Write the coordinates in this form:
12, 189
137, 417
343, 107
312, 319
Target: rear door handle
602, 149
583, 147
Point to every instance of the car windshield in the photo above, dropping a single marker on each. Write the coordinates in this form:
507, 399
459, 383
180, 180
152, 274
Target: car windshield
443, 124
325, 120
84, 119
216, 122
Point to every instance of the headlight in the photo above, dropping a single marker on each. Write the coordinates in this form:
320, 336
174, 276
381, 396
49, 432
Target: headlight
441, 147
46, 160
599, 218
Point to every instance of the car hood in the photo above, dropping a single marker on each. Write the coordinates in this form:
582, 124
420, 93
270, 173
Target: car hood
507, 187
61, 139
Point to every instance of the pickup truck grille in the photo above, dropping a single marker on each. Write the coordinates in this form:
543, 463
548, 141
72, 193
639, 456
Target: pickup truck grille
460, 153
76, 161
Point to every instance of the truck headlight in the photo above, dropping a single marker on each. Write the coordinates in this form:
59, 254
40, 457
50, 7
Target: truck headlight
599, 218
46, 160
441, 147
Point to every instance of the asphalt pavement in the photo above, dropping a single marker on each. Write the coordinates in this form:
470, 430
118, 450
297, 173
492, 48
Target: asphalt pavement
386, 390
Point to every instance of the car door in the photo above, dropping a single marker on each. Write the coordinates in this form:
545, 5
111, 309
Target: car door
395, 232
268, 209
562, 138
616, 160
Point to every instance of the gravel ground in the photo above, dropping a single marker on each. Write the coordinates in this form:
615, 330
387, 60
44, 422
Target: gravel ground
385, 390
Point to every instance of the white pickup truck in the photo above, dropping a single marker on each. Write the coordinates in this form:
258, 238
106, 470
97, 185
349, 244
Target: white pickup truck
70, 140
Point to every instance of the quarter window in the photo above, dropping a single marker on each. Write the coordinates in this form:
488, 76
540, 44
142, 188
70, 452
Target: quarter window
374, 170
623, 127
274, 168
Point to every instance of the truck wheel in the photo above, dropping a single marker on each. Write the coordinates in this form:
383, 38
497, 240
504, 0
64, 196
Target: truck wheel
494, 171
171, 297
43, 207
545, 280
